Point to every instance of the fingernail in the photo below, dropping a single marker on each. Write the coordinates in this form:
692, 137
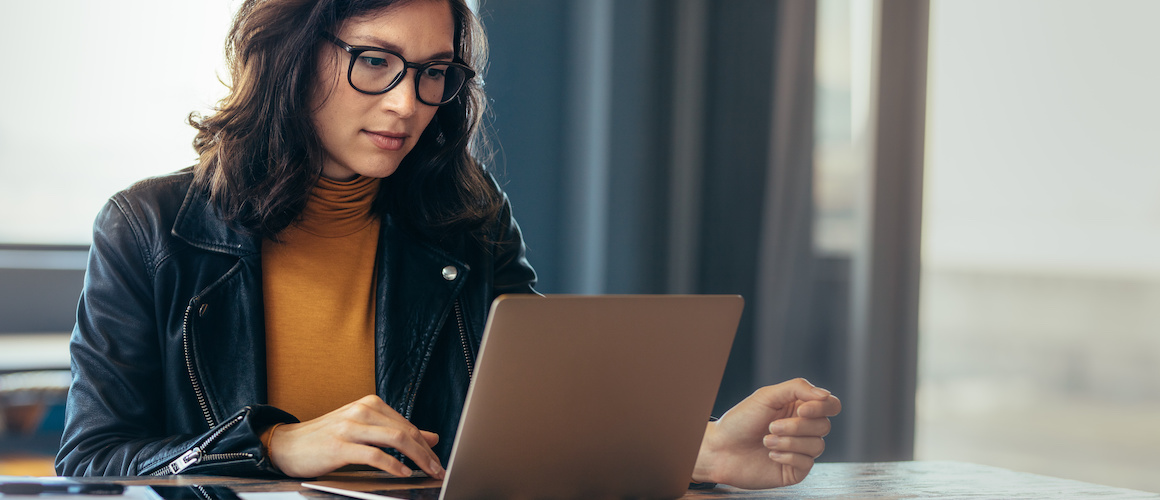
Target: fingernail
776, 428
769, 441
438, 469
821, 392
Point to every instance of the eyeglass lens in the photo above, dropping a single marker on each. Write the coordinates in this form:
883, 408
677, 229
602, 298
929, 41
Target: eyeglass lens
373, 71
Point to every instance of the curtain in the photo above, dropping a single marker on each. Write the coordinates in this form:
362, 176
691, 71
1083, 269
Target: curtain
655, 146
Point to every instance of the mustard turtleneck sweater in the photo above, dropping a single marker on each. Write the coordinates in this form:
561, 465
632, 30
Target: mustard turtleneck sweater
319, 293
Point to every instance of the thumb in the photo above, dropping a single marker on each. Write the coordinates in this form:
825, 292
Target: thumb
785, 393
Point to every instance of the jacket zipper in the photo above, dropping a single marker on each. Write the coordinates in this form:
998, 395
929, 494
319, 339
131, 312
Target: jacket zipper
196, 455
463, 340
198, 391
202, 493
466, 353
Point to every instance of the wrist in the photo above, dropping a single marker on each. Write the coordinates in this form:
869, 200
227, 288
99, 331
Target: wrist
703, 470
267, 439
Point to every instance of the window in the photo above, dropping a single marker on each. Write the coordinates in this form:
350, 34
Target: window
96, 98
1041, 274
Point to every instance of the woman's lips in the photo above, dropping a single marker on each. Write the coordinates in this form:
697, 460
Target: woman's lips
386, 140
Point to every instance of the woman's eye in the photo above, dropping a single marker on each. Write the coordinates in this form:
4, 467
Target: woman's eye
434, 72
373, 62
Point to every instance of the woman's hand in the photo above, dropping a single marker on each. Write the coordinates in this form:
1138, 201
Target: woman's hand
770, 439
353, 434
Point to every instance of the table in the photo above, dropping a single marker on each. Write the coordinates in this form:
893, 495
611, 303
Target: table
885, 480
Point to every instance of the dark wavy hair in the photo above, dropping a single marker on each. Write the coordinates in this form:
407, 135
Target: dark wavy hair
260, 155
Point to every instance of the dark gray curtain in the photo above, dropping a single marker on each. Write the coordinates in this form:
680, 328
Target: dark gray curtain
883, 335
660, 146
653, 146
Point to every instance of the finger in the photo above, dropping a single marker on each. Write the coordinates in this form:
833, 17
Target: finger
828, 407
379, 459
785, 393
815, 427
800, 465
410, 442
809, 446
393, 435
431, 438
370, 412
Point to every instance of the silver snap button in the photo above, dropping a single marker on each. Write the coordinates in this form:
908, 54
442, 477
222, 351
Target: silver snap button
450, 273
201, 310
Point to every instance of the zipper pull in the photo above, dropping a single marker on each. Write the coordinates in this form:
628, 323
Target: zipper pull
185, 461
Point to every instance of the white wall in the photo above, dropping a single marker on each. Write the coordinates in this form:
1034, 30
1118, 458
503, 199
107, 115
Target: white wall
95, 96
1044, 121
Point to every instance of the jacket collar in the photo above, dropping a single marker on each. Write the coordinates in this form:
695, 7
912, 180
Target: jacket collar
199, 224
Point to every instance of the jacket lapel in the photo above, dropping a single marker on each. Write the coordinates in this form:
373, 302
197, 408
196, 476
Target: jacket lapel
417, 287
225, 324
199, 224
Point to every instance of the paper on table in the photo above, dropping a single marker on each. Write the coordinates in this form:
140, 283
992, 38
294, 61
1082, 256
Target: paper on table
272, 495
373, 489
131, 492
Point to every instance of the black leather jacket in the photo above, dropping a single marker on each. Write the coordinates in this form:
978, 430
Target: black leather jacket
168, 353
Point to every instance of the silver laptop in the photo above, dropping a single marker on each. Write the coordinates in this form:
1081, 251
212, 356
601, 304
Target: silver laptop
590, 396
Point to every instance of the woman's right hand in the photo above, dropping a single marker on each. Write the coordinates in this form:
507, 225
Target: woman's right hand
349, 435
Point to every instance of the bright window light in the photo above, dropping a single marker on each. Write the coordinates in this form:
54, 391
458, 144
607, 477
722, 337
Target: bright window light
96, 95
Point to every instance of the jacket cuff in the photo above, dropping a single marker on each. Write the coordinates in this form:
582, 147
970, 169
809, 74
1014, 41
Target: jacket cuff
233, 447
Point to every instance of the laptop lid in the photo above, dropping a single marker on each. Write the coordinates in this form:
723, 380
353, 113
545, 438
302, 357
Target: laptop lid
591, 396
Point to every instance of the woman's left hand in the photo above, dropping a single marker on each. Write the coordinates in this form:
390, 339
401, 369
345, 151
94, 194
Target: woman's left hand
769, 439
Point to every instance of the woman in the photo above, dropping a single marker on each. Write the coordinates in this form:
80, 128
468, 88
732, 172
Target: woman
314, 289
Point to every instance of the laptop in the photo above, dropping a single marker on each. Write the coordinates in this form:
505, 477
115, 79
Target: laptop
584, 396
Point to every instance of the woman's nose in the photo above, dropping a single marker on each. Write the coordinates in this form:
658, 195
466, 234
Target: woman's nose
402, 100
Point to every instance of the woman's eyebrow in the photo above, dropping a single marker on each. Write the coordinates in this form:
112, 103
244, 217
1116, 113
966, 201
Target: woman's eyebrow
383, 44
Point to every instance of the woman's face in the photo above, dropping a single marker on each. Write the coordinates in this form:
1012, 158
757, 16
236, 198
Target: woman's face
369, 135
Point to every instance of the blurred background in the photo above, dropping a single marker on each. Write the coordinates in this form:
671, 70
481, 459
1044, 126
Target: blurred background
944, 211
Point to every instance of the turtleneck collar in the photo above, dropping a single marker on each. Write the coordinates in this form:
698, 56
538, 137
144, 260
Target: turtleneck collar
339, 208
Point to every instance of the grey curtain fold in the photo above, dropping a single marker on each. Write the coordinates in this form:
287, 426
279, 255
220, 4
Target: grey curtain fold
587, 144
883, 354
786, 265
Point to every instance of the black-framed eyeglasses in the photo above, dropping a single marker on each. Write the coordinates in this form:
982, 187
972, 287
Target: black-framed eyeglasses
375, 71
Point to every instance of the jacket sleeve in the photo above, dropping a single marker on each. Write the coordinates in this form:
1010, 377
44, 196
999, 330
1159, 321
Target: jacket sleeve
513, 273
116, 421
